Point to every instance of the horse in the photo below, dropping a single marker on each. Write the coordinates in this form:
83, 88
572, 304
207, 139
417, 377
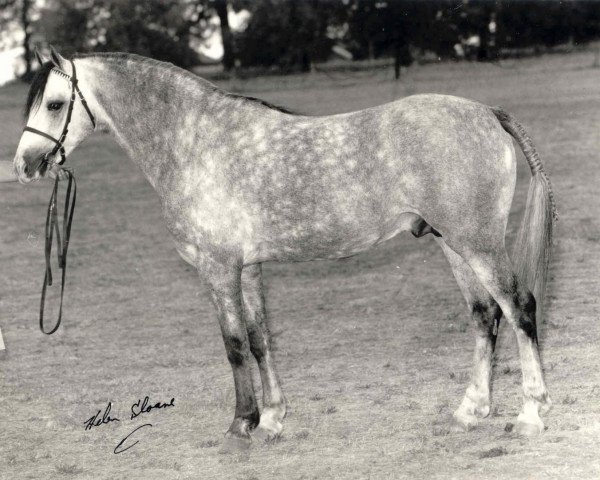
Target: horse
242, 182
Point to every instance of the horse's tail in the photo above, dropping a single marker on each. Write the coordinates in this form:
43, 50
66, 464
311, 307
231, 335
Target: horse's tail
531, 252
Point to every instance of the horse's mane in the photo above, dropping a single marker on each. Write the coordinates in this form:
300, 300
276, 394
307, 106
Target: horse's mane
36, 91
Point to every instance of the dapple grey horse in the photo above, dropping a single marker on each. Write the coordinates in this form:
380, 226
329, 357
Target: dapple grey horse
242, 182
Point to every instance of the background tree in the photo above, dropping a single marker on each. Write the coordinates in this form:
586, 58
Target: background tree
8, 11
286, 34
64, 24
26, 25
291, 35
154, 28
226, 35
159, 29
547, 24
391, 29
20, 12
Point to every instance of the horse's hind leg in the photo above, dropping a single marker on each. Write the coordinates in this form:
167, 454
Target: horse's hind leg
486, 313
273, 411
493, 269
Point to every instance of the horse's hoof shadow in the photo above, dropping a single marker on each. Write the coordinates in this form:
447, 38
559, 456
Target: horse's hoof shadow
234, 444
529, 429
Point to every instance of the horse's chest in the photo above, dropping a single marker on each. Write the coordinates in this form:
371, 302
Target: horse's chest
206, 220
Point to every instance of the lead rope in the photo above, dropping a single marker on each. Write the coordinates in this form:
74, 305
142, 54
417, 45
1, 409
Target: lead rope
62, 242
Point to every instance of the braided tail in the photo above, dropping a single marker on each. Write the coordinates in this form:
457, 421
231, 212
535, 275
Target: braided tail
531, 252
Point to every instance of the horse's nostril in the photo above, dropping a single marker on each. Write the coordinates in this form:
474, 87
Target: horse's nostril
26, 169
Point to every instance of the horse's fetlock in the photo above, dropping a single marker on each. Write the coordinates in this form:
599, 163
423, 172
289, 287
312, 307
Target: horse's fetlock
541, 399
477, 401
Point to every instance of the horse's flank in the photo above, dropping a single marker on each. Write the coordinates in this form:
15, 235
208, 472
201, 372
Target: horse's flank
237, 175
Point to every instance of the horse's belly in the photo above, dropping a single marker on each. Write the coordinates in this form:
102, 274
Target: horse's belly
299, 245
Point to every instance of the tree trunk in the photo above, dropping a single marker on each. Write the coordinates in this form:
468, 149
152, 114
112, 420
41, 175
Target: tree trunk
371, 51
25, 23
228, 53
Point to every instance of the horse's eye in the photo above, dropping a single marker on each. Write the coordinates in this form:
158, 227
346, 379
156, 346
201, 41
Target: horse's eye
55, 106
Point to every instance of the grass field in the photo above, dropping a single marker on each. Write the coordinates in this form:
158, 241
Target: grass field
374, 352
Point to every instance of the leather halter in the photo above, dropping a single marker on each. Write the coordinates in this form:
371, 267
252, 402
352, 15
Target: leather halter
59, 143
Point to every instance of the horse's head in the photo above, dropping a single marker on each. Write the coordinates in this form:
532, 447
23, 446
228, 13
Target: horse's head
58, 119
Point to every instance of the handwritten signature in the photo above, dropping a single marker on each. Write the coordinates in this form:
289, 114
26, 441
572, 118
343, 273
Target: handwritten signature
119, 448
145, 408
96, 422
140, 407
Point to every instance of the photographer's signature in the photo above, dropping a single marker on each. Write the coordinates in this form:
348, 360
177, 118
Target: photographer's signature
140, 407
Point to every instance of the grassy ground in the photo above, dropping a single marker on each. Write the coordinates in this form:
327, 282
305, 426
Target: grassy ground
374, 352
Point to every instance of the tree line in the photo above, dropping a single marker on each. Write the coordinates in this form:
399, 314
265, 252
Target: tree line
291, 35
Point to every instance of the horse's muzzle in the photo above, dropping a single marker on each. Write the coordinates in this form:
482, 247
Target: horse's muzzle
31, 167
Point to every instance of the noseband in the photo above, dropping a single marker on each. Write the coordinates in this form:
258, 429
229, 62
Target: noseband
59, 144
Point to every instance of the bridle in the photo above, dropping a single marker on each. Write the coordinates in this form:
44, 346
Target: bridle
52, 225
59, 144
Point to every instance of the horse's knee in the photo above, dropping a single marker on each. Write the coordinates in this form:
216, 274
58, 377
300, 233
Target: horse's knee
236, 350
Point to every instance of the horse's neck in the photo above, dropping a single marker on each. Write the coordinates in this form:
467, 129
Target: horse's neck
155, 115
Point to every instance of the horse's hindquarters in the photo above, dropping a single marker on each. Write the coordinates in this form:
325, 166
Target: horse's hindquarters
457, 165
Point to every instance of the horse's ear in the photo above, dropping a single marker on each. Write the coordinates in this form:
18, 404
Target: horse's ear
38, 56
57, 58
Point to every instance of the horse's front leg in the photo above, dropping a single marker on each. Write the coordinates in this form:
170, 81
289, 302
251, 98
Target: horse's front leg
224, 282
273, 411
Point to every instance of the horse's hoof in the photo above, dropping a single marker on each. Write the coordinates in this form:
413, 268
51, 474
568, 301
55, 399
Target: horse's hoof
529, 429
234, 444
463, 423
482, 411
267, 433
